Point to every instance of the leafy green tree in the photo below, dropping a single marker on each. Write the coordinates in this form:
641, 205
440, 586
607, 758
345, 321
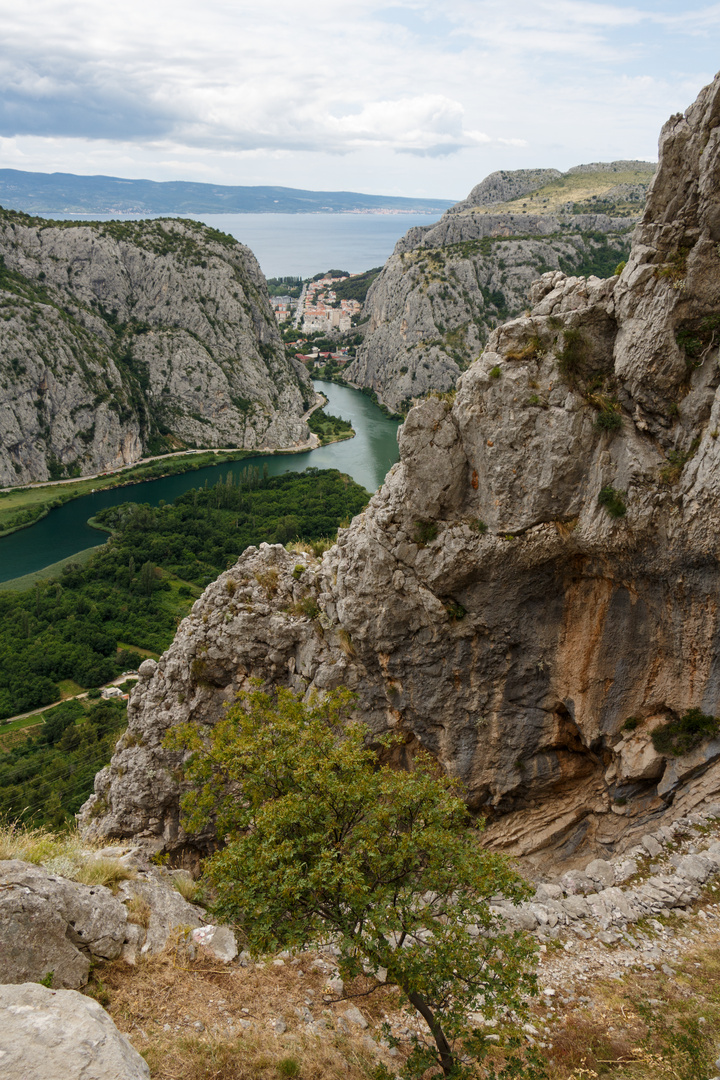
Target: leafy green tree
323, 842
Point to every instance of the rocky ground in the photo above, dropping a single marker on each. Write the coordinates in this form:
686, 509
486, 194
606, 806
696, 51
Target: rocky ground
628, 976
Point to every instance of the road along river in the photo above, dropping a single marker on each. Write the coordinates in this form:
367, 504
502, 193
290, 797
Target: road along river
367, 458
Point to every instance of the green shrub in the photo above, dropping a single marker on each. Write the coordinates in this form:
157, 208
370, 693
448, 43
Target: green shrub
455, 610
678, 737
424, 532
631, 723
495, 372
620, 267
609, 419
572, 354
478, 526
612, 500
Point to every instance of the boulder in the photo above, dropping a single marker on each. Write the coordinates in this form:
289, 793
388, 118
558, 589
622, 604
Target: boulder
219, 941
61, 1035
50, 924
601, 871
169, 912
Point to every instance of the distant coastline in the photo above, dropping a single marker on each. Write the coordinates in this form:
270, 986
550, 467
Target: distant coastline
68, 193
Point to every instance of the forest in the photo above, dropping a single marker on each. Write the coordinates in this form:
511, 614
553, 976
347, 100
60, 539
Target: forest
47, 776
86, 626
83, 629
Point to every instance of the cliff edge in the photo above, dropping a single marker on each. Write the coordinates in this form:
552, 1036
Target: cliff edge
535, 588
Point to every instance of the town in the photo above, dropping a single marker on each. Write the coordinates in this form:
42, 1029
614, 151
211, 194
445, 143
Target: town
318, 309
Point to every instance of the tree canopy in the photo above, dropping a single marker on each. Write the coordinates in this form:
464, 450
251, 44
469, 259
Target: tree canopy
322, 842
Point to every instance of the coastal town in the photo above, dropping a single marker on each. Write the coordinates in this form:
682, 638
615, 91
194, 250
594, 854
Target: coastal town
318, 309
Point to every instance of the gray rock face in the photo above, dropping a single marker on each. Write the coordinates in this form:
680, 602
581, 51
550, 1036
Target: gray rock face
487, 602
50, 924
47, 1034
119, 336
446, 286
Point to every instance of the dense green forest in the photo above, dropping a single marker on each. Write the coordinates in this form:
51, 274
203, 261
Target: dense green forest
85, 626
138, 586
47, 776
330, 428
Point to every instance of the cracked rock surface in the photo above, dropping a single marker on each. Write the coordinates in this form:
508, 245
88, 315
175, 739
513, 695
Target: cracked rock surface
113, 334
60, 1033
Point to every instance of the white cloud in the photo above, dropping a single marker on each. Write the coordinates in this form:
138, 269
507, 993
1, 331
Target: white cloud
247, 93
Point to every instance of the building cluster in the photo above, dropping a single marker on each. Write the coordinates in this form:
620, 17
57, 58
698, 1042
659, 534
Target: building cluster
316, 359
284, 307
322, 311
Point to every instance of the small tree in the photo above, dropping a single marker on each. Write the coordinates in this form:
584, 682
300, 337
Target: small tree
322, 842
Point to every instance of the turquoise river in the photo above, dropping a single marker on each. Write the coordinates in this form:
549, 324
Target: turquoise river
367, 458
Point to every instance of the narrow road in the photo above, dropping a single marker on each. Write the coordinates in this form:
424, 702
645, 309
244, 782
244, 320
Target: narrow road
311, 444
44, 708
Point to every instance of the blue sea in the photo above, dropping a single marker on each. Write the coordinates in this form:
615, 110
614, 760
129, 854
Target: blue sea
301, 245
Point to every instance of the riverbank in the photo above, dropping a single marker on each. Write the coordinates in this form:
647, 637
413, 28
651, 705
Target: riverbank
61, 533
21, 507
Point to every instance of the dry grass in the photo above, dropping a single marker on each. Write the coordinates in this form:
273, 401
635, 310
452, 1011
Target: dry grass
316, 548
139, 911
64, 853
39, 845
646, 1026
185, 1018
188, 888
102, 871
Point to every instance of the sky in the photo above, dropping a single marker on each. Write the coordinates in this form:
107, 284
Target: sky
401, 98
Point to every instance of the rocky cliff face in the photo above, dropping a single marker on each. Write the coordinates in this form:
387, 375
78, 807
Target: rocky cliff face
540, 566
447, 285
119, 338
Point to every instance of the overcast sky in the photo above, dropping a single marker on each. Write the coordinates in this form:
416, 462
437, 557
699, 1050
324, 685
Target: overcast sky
406, 98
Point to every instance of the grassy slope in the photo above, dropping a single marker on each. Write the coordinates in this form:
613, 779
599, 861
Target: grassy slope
576, 187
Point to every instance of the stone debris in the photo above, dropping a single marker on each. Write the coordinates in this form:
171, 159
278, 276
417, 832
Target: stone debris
219, 941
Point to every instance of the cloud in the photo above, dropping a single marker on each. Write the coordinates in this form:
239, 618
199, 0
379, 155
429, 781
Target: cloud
240, 86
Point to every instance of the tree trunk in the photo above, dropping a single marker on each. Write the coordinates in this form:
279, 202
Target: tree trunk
447, 1061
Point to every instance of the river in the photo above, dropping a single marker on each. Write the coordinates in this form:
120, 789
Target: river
367, 458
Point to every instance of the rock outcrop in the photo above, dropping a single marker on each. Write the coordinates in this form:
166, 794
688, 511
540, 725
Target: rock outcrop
541, 565
446, 286
119, 338
61, 1034
52, 927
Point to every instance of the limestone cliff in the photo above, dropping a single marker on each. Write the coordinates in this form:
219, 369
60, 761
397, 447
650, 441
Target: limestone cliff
447, 285
540, 566
119, 338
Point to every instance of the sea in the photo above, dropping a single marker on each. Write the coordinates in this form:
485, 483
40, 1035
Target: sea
301, 245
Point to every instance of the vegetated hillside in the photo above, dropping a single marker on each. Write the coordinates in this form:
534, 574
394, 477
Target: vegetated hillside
446, 286
134, 589
42, 193
119, 339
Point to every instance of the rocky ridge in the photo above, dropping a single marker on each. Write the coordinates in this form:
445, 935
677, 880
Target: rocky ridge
540, 566
447, 285
122, 338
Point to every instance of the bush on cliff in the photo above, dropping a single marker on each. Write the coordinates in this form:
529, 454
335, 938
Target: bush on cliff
325, 843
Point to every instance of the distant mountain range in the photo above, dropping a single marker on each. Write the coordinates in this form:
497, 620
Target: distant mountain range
48, 193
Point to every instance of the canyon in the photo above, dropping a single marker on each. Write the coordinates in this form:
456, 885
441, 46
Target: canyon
533, 590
